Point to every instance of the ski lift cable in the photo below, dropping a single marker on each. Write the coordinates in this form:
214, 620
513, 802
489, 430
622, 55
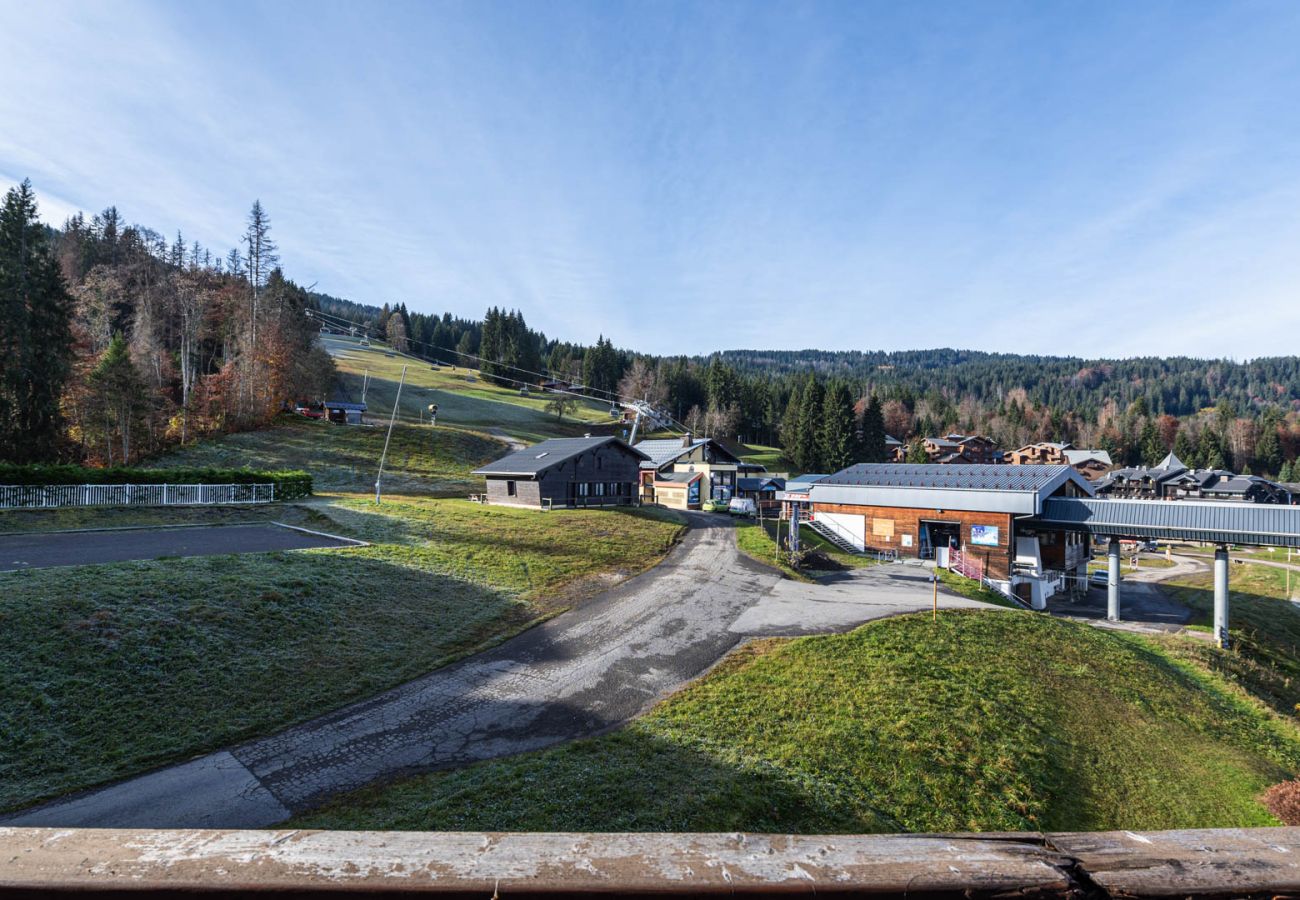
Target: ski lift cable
659, 414
549, 374
641, 405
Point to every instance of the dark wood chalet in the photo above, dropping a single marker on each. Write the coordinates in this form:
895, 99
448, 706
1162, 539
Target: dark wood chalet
566, 472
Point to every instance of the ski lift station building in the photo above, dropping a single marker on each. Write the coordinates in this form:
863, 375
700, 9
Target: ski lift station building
1026, 529
984, 513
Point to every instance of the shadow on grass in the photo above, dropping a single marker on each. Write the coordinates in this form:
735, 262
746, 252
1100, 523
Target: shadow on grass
1264, 656
628, 780
110, 670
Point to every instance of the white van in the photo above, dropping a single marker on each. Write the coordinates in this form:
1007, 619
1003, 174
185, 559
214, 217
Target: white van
742, 506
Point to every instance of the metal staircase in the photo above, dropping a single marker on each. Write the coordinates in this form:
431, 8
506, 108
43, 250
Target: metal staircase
829, 535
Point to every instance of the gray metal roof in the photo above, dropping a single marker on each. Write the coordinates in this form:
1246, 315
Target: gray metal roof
1217, 521
803, 482
540, 457
663, 451
972, 476
678, 477
974, 487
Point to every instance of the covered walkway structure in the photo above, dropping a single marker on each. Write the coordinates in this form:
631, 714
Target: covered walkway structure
1217, 522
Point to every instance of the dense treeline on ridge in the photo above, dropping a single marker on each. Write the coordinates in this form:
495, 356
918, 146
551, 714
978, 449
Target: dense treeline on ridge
1212, 413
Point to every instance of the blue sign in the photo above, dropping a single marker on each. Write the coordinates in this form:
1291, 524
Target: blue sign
693, 492
984, 535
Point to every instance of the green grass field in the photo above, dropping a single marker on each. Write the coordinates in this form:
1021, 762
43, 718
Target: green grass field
985, 721
1265, 628
464, 399
771, 457
346, 458
113, 669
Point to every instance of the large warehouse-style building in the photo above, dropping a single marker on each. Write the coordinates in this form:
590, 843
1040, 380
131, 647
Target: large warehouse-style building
970, 516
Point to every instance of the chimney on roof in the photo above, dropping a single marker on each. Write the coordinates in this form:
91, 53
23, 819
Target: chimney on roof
687, 440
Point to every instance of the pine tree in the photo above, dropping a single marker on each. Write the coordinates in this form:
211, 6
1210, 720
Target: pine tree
916, 453
1268, 450
1150, 445
1185, 450
1211, 450
835, 439
791, 425
35, 334
261, 258
808, 450
121, 396
873, 433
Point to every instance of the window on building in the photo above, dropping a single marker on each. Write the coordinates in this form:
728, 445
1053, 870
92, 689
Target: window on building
583, 488
510, 489
600, 488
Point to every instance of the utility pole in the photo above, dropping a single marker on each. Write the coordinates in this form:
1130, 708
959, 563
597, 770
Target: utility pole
391, 419
365, 383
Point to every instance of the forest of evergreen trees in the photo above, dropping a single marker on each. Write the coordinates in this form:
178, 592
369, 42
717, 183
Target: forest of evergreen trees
116, 342
1213, 413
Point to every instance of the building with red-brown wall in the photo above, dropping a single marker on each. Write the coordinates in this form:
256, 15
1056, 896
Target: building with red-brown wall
927, 510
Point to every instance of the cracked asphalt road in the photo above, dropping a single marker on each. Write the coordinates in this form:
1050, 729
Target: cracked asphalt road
581, 673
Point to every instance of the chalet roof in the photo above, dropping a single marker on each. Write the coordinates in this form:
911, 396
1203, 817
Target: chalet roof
1075, 457
1171, 463
760, 484
660, 452
1054, 445
540, 457
678, 477
891, 441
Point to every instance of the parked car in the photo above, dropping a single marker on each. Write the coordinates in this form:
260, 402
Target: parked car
742, 506
1099, 578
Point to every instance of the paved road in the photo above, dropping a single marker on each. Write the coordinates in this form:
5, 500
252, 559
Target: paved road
579, 674
1140, 601
41, 551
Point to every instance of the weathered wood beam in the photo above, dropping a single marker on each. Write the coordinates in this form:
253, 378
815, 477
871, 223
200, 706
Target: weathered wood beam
1210, 863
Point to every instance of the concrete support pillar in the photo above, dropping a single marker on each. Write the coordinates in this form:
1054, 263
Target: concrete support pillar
1081, 579
1221, 595
1112, 580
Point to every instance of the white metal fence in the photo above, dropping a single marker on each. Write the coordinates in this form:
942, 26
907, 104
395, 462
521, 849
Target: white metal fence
51, 496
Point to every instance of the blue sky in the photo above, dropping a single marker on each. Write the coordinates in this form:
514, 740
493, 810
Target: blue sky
1100, 179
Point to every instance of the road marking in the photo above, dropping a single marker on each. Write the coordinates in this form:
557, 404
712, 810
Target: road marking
325, 534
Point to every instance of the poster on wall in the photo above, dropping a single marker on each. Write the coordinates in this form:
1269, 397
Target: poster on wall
984, 535
693, 492
907, 540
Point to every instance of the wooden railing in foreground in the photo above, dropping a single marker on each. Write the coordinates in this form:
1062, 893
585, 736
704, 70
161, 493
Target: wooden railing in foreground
1263, 862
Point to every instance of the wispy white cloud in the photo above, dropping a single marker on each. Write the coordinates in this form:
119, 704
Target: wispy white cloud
685, 179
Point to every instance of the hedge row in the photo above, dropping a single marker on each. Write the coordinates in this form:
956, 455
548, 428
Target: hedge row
289, 485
